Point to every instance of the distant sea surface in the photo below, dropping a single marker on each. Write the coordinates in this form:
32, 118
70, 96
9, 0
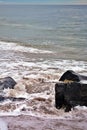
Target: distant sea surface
58, 28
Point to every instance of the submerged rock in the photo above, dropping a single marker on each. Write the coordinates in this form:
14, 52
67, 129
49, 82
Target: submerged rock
7, 82
70, 94
3, 98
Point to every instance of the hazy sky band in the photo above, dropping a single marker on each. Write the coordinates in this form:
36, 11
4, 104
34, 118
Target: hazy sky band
46, 1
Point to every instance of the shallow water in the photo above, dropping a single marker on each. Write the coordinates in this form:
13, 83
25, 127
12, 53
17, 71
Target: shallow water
25, 61
36, 77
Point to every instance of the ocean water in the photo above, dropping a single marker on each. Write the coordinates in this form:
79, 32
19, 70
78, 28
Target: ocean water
61, 29
48, 35
39, 43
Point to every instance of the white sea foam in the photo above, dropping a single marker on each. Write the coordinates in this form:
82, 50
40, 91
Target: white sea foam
16, 93
15, 47
3, 125
80, 111
32, 69
10, 114
81, 107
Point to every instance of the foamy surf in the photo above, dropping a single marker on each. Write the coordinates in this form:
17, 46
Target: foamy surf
36, 78
16, 47
39, 102
3, 125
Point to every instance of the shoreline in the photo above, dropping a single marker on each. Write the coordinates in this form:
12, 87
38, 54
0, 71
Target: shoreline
23, 122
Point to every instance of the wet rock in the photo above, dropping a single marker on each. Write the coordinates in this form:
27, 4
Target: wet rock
72, 76
70, 94
3, 98
7, 82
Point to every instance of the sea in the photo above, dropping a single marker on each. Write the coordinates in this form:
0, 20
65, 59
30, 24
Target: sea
42, 41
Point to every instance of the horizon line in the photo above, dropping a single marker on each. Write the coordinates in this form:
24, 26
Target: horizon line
13, 3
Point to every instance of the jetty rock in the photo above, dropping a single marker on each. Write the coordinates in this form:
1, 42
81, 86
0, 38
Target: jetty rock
72, 91
7, 82
70, 75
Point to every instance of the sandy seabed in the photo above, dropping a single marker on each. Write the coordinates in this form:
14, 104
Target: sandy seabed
23, 122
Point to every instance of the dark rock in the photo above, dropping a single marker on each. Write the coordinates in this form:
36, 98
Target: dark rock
71, 93
16, 99
7, 82
73, 76
3, 98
